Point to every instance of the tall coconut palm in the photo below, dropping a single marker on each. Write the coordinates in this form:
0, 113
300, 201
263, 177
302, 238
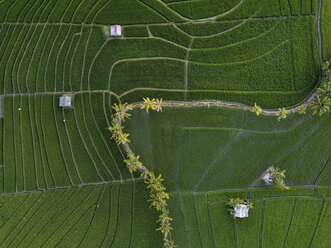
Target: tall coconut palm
325, 89
147, 104
168, 243
278, 177
257, 109
321, 105
282, 114
302, 110
159, 105
115, 128
121, 111
133, 162
122, 138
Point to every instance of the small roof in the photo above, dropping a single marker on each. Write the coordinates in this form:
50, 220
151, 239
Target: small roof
241, 211
115, 30
267, 178
65, 101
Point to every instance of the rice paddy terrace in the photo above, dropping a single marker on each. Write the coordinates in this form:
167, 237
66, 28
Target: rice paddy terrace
63, 182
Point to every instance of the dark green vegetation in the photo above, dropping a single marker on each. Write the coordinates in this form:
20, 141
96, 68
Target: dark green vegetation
201, 150
63, 182
275, 221
230, 148
247, 57
326, 34
93, 216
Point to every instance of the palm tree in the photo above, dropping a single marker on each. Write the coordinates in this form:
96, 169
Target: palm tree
325, 89
282, 114
257, 109
164, 220
302, 110
121, 111
122, 138
158, 105
321, 105
149, 104
278, 177
168, 243
133, 162
115, 128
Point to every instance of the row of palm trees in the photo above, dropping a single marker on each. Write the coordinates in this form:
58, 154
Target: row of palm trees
322, 103
158, 195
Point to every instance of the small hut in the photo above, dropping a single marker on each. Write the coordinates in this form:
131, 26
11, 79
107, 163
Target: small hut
241, 211
65, 101
267, 178
115, 30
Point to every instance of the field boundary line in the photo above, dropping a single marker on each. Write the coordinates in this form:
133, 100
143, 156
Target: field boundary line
137, 59
290, 223
44, 142
33, 141
196, 219
219, 157
22, 218
60, 139
209, 220
20, 125
187, 62
117, 218
93, 147
211, 18
154, 23
323, 168
27, 47
70, 148
85, 146
262, 223
233, 44
318, 30
92, 219
33, 214
16, 209
67, 216
317, 223
108, 124
45, 215
177, 187
97, 128
109, 212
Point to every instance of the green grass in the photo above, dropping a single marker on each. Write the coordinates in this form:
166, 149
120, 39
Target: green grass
135, 31
325, 29
202, 9
43, 151
69, 184
216, 145
98, 215
170, 33
272, 222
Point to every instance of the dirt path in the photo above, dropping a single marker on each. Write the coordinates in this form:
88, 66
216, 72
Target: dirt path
230, 105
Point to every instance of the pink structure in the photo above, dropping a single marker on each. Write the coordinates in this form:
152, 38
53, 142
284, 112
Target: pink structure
115, 30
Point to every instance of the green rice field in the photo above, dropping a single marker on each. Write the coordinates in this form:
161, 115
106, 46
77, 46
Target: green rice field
63, 182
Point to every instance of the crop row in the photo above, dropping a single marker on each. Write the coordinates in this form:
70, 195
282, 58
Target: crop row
49, 147
76, 11
103, 216
242, 9
204, 221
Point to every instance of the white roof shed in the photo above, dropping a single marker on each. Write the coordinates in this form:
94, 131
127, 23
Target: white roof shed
65, 101
267, 178
241, 211
115, 30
